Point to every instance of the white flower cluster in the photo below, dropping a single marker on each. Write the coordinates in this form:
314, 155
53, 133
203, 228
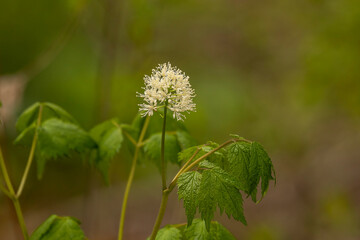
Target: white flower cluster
168, 86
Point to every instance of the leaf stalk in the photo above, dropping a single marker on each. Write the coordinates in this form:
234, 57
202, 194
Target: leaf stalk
31, 155
131, 178
11, 194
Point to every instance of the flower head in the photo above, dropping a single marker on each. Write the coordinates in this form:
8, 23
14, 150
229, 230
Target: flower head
167, 86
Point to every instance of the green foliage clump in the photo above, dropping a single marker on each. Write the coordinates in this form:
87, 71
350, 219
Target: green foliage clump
219, 178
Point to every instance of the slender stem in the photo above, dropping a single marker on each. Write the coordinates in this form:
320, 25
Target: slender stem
5, 191
163, 163
161, 213
13, 197
130, 138
21, 218
131, 177
126, 194
6, 175
31, 155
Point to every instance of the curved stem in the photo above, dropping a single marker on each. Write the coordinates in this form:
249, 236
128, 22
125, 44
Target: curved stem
13, 197
31, 155
161, 213
163, 163
131, 177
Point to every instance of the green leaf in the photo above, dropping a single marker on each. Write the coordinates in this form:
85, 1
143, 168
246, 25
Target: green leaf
56, 228
238, 161
218, 188
152, 148
57, 138
188, 190
108, 135
27, 117
169, 232
260, 167
59, 112
197, 231
185, 139
249, 163
50, 110
209, 189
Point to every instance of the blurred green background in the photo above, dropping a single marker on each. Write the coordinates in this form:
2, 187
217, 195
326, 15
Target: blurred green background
284, 73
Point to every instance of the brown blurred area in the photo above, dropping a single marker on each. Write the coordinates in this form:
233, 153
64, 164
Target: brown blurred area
284, 73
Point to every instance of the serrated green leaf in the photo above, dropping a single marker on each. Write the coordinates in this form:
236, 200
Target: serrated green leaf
169, 232
59, 112
56, 228
185, 139
197, 231
108, 135
57, 138
188, 190
218, 188
249, 163
27, 118
238, 161
260, 167
152, 148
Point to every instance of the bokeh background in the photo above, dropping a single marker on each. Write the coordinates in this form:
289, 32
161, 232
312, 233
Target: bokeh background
284, 73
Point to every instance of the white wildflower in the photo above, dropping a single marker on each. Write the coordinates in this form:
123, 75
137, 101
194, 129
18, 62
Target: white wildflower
168, 86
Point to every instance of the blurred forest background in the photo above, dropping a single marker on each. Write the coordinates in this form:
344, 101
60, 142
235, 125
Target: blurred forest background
284, 73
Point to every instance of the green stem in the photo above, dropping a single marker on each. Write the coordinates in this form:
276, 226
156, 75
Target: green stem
20, 217
5, 191
31, 155
131, 177
13, 197
163, 163
161, 213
